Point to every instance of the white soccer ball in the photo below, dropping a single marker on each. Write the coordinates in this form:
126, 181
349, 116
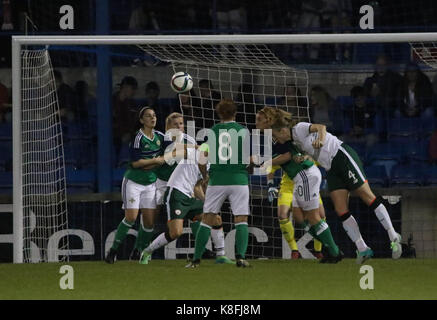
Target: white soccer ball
181, 82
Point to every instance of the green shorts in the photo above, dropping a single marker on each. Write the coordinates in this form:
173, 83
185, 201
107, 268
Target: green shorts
346, 170
180, 206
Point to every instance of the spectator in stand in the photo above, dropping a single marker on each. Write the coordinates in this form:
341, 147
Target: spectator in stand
144, 17
66, 99
231, 15
246, 105
5, 107
415, 92
321, 107
294, 101
86, 105
162, 111
383, 86
125, 111
362, 117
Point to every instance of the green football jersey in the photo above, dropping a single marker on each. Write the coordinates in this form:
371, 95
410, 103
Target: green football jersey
291, 168
227, 144
164, 172
142, 147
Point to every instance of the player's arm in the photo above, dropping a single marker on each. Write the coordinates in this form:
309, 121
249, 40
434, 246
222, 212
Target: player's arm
199, 191
148, 164
281, 159
321, 134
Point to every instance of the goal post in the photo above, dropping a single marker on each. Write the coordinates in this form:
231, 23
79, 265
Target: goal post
19, 42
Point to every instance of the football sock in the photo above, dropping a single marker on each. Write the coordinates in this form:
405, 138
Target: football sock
317, 243
241, 239
120, 235
288, 232
321, 229
194, 227
382, 214
202, 238
218, 239
143, 238
350, 225
159, 242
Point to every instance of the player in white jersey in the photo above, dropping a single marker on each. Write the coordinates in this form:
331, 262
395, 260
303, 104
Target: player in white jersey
184, 200
344, 174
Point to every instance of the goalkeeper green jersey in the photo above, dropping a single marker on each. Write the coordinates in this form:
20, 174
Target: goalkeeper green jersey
227, 144
164, 172
291, 168
142, 147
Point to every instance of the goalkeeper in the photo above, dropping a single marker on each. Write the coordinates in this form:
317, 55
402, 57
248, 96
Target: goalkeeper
285, 198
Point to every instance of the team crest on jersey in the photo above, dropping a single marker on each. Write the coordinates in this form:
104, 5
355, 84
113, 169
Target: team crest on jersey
177, 212
158, 142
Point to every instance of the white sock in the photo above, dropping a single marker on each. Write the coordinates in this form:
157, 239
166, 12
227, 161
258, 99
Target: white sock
383, 217
218, 239
159, 242
353, 231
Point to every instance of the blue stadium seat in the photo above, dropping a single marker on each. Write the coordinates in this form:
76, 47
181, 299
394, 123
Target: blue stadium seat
367, 52
416, 151
376, 175
6, 182
404, 129
123, 156
80, 153
407, 176
117, 178
430, 173
385, 154
344, 102
6, 131
80, 181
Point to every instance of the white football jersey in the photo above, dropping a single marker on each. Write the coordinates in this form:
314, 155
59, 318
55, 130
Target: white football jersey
303, 139
186, 174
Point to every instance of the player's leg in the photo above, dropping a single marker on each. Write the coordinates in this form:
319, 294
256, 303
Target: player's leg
285, 199
377, 205
218, 240
148, 214
214, 198
130, 192
340, 181
239, 201
317, 243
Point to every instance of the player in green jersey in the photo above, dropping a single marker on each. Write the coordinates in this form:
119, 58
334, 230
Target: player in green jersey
227, 179
138, 187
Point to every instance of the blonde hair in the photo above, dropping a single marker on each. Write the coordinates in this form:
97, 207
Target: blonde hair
170, 118
278, 118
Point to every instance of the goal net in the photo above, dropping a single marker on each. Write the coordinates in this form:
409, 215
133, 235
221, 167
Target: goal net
393, 142
42, 159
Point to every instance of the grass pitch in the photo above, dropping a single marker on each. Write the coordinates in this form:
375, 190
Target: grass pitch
268, 279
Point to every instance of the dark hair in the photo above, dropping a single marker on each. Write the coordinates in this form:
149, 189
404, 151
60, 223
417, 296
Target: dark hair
142, 110
130, 81
226, 109
205, 82
152, 85
357, 91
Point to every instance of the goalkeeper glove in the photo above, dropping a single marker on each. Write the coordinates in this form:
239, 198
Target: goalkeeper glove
273, 191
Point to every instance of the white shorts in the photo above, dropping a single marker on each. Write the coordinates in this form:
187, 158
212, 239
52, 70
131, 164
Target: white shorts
138, 196
161, 186
307, 189
238, 197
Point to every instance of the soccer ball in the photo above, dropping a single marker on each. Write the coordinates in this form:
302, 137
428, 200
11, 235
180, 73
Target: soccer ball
181, 82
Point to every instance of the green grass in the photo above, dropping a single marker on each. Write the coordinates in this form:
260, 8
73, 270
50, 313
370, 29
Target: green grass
268, 279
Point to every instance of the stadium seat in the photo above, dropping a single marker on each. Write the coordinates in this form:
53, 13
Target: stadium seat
430, 173
404, 129
416, 152
80, 181
6, 131
376, 175
407, 176
6, 182
80, 153
384, 154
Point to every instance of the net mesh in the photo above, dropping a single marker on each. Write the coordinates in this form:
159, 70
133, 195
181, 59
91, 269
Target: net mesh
43, 176
426, 52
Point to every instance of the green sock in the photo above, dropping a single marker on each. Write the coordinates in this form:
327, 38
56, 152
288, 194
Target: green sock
143, 238
120, 235
194, 227
241, 240
202, 237
321, 229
